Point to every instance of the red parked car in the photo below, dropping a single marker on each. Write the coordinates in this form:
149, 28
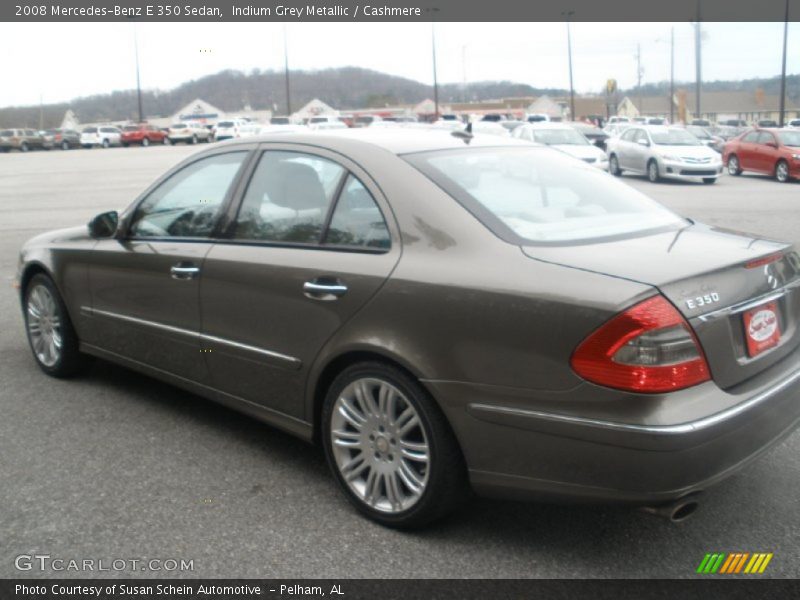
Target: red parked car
144, 135
772, 151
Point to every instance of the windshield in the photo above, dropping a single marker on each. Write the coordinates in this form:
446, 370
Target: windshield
535, 195
131, 128
179, 126
225, 124
789, 138
674, 137
554, 137
90, 130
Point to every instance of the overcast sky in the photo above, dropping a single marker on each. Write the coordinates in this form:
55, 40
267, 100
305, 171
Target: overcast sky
66, 60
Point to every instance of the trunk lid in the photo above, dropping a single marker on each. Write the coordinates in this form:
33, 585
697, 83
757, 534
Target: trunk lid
714, 277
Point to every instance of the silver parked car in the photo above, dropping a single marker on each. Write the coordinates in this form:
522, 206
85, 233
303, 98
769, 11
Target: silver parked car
663, 152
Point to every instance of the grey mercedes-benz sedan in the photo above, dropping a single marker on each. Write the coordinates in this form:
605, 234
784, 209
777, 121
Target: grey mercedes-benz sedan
440, 312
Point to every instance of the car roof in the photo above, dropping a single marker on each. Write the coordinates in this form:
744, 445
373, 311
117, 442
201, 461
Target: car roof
395, 140
548, 125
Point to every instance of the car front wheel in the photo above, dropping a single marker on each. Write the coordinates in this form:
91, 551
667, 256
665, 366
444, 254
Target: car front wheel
51, 336
782, 171
390, 448
65, 145
734, 168
613, 166
652, 172
106, 144
145, 142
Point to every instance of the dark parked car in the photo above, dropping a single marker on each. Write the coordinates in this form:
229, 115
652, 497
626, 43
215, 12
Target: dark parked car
594, 134
20, 139
705, 136
439, 310
65, 138
773, 152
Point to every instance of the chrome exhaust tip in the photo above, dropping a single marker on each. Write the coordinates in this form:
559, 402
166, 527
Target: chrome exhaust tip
677, 510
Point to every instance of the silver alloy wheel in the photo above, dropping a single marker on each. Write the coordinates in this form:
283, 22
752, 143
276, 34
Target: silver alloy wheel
652, 171
733, 165
782, 172
65, 145
613, 165
379, 445
44, 326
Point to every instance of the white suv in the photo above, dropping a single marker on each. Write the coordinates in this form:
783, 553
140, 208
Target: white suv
226, 130
190, 132
101, 136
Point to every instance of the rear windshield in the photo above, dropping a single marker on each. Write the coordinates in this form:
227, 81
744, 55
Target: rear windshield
789, 138
131, 128
553, 137
179, 126
535, 195
279, 120
90, 130
225, 124
365, 119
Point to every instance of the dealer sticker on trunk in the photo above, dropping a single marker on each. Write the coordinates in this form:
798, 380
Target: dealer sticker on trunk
761, 328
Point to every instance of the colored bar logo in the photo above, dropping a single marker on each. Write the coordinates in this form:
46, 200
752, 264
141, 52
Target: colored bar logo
734, 563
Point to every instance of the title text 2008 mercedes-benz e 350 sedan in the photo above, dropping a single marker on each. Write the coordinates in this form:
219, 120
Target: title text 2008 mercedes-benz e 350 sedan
441, 312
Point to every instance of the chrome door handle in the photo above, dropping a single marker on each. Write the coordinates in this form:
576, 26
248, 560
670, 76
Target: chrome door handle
184, 272
324, 291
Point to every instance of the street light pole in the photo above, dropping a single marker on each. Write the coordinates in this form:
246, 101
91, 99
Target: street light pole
138, 83
698, 62
781, 117
672, 75
435, 79
568, 14
286, 71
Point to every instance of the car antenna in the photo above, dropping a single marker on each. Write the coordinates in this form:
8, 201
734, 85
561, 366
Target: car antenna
465, 134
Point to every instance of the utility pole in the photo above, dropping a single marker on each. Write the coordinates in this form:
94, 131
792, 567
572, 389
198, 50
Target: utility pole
672, 75
286, 70
639, 75
781, 117
568, 14
435, 79
138, 82
464, 73
41, 112
698, 43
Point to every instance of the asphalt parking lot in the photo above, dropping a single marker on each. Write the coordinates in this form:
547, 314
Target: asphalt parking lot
114, 465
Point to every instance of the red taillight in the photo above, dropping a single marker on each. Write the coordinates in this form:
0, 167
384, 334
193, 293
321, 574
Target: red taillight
648, 348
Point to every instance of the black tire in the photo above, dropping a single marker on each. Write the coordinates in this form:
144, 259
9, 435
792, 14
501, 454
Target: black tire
71, 361
734, 166
23, 147
709, 180
782, 171
125, 144
106, 143
613, 166
145, 142
65, 145
652, 172
447, 484
194, 139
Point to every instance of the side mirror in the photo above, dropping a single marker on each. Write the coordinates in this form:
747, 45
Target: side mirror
104, 225
643, 142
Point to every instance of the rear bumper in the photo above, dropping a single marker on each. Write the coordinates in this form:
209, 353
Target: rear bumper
523, 447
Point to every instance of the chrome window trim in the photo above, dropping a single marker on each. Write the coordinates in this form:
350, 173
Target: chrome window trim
295, 362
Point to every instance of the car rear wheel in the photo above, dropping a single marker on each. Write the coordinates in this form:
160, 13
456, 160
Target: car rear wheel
145, 142
166, 141
106, 144
390, 448
51, 336
23, 147
652, 172
613, 166
65, 145
782, 171
709, 180
194, 139
734, 168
